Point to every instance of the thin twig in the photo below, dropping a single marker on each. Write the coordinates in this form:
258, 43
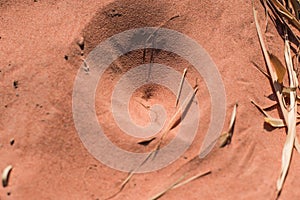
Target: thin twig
157, 196
180, 183
180, 86
191, 179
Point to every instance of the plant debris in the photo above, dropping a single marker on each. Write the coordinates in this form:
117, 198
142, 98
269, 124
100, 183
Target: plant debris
285, 13
5, 175
180, 86
225, 138
177, 117
179, 183
157, 196
274, 122
286, 96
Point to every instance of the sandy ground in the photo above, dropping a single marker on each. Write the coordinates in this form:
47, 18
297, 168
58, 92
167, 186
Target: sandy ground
49, 160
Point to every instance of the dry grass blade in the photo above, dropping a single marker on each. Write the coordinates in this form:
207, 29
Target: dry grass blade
191, 179
282, 10
180, 86
167, 189
152, 39
291, 122
296, 7
160, 26
127, 179
266, 13
274, 122
281, 20
225, 138
176, 119
260, 109
273, 75
277, 123
179, 114
278, 66
180, 183
276, 86
289, 62
133, 171
5, 175
261, 70
233, 118
297, 58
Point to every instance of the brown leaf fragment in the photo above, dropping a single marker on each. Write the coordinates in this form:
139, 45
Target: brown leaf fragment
278, 66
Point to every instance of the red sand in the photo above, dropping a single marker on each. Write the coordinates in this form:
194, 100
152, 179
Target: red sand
49, 160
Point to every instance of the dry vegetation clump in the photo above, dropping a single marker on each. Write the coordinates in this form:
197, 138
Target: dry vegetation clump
286, 15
